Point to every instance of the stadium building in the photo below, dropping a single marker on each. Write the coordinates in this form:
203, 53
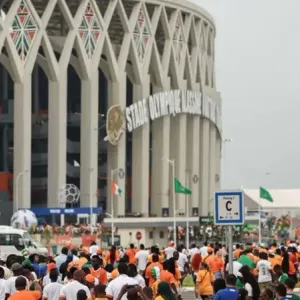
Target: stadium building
94, 89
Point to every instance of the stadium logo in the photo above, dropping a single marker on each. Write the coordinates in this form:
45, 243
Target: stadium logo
115, 124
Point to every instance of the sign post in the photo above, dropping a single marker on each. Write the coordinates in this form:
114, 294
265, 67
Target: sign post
229, 210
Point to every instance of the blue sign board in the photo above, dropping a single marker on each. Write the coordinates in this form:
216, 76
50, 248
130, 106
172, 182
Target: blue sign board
45, 211
229, 208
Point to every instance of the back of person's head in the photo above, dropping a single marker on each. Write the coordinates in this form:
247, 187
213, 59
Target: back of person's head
133, 294
205, 244
142, 247
281, 290
131, 246
237, 246
124, 259
152, 249
290, 283
53, 275
243, 293
231, 280
132, 270
166, 264
74, 251
155, 258
65, 250
86, 270
193, 245
71, 272
2, 273
81, 295
20, 283
148, 292
109, 267
268, 293
122, 268
179, 248
219, 284
100, 290
263, 255
79, 276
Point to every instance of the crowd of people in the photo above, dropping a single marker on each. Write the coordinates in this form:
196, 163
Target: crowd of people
257, 272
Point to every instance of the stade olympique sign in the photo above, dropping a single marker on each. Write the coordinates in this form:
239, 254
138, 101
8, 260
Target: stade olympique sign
166, 103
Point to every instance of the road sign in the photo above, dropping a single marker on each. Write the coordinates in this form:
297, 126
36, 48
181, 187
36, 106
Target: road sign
229, 208
138, 235
207, 220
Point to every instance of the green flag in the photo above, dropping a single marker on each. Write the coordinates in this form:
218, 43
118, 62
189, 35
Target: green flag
180, 189
264, 194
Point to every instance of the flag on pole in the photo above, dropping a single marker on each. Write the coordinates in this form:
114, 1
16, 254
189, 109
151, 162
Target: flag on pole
116, 190
180, 189
264, 194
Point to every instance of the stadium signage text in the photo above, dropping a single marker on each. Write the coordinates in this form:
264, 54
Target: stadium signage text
163, 104
166, 103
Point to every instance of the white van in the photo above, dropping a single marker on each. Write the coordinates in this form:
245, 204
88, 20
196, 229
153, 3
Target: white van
14, 241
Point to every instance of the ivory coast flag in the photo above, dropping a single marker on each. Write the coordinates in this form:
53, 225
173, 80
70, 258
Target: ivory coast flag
116, 190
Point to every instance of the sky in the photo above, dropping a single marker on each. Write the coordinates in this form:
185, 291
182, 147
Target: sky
258, 74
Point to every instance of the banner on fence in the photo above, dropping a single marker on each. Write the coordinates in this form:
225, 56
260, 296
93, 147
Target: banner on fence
87, 239
63, 239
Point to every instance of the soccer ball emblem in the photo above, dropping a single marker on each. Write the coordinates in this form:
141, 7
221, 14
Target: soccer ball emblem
23, 218
68, 193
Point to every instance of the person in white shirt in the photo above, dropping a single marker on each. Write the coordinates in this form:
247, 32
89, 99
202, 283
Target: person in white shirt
133, 273
170, 250
264, 269
142, 258
203, 249
10, 285
60, 259
93, 248
236, 267
2, 283
52, 290
69, 291
115, 286
193, 251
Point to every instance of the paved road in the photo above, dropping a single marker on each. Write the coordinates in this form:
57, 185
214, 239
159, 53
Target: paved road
188, 295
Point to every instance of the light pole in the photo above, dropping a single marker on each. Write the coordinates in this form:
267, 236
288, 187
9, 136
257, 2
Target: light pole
17, 187
172, 163
112, 172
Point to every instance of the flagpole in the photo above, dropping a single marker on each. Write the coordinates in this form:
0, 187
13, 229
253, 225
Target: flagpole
172, 162
187, 234
112, 207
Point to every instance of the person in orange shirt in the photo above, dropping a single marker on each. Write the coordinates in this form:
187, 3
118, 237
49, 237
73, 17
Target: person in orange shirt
237, 252
204, 281
22, 293
166, 275
216, 265
112, 256
155, 272
97, 271
131, 254
100, 253
150, 279
155, 250
278, 256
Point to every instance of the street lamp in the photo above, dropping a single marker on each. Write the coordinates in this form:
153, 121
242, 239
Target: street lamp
17, 187
172, 163
112, 172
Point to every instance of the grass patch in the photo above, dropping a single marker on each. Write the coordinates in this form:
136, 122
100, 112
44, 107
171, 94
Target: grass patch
188, 281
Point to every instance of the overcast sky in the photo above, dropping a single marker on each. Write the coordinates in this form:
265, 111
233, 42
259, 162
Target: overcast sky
258, 75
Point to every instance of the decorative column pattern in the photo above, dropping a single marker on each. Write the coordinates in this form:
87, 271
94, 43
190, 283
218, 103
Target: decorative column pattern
89, 141
141, 34
178, 42
116, 155
140, 154
160, 189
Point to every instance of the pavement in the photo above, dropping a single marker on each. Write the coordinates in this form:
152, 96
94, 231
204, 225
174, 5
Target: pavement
188, 294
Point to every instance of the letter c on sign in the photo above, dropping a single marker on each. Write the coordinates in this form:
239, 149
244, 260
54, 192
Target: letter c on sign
228, 208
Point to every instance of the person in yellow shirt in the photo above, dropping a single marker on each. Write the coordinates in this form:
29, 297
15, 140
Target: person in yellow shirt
204, 281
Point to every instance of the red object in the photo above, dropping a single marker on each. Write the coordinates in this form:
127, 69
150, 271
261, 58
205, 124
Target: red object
87, 239
138, 235
62, 239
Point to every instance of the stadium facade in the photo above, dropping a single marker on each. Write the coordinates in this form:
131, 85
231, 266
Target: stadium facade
151, 64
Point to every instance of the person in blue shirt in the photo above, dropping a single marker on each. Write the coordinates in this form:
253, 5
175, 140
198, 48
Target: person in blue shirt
281, 292
230, 292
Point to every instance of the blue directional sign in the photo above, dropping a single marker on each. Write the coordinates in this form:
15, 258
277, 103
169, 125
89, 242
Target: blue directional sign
229, 208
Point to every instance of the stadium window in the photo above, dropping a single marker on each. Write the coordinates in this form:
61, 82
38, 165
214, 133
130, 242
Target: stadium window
161, 235
150, 234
